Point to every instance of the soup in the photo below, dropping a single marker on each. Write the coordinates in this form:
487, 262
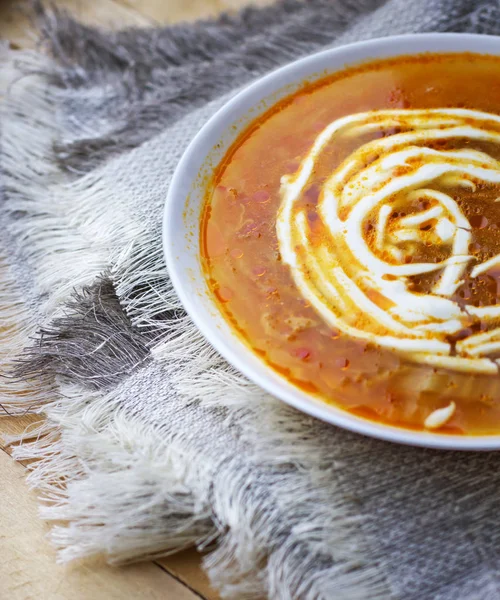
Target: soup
351, 237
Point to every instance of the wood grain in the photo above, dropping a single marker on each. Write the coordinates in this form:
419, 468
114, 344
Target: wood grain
16, 23
186, 10
28, 567
184, 567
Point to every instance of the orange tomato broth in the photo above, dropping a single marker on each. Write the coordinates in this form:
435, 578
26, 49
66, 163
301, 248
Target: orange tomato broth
255, 292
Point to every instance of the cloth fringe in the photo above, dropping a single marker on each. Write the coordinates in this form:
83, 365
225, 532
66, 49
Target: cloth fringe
112, 483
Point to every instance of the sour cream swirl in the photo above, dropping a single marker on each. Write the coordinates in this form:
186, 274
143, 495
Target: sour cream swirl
358, 280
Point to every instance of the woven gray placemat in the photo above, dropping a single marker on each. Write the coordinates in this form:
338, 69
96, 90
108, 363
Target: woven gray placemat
151, 441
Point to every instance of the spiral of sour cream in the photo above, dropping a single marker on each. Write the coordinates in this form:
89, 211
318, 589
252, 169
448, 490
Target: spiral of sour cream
357, 277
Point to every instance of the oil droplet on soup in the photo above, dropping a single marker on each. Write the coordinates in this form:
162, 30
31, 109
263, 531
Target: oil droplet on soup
351, 236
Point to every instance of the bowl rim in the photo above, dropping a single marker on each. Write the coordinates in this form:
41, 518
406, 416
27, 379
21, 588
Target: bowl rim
228, 344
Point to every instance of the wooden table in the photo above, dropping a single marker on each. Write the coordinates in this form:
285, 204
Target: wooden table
27, 562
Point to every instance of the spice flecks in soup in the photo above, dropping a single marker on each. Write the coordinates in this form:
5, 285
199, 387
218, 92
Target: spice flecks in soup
383, 213
351, 237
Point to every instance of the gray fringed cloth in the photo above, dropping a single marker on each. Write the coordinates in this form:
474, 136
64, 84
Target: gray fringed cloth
152, 442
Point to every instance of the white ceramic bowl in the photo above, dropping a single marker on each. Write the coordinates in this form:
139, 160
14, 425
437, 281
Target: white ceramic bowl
185, 199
